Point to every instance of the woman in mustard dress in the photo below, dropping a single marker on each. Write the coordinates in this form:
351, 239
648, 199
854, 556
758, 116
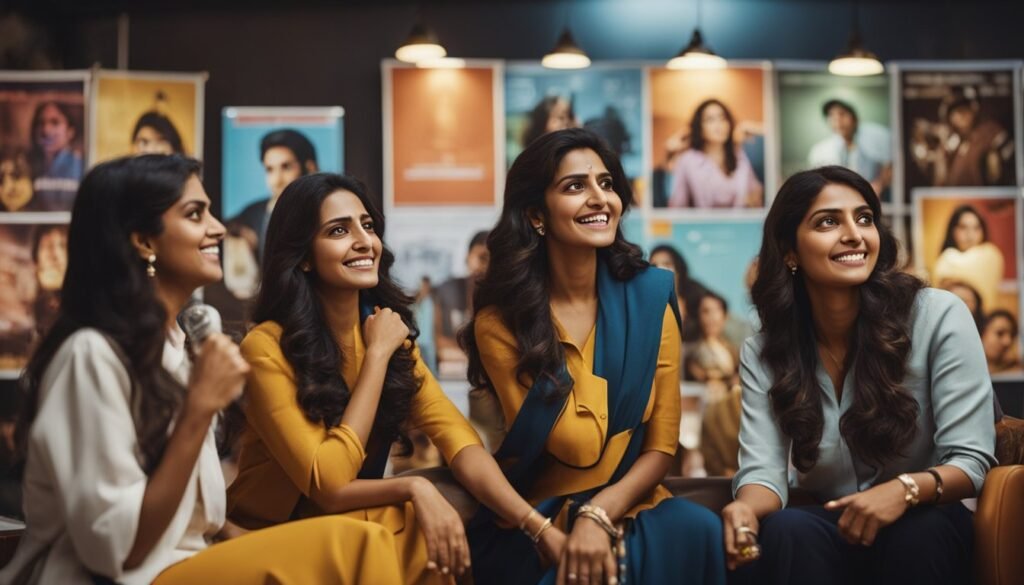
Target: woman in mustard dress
579, 338
337, 379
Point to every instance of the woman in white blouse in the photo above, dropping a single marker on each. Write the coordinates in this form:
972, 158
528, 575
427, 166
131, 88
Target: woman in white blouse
122, 479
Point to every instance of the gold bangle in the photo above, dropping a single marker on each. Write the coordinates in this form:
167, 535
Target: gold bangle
600, 516
536, 537
522, 523
911, 488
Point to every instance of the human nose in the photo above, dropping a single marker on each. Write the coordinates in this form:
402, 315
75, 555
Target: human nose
361, 239
215, 229
851, 232
597, 197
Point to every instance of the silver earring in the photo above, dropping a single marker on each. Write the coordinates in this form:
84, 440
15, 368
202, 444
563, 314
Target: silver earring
150, 266
792, 269
540, 229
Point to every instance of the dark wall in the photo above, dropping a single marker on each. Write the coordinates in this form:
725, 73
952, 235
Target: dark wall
331, 55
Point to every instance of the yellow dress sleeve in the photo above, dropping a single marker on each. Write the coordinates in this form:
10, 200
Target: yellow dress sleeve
315, 458
663, 424
434, 414
499, 353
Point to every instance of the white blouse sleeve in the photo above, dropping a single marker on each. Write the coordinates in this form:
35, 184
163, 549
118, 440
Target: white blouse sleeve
85, 433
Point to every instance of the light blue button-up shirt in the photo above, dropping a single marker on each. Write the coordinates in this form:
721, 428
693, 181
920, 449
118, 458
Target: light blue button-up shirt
946, 374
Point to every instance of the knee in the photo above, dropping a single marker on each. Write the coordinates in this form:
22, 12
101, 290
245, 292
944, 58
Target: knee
695, 518
789, 525
342, 530
923, 531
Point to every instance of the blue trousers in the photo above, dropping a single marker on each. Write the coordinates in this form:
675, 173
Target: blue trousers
930, 545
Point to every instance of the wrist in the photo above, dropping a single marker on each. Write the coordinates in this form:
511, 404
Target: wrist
196, 404
195, 417
378, 352
416, 487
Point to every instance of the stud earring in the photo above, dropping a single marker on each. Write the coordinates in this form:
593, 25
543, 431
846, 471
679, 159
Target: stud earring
540, 229
150, 266
793, 269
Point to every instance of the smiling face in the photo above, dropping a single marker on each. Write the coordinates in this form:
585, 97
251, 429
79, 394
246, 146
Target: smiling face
583, 209
52, 258
346, 250
714, 125
187, 250
968, 233
837, 243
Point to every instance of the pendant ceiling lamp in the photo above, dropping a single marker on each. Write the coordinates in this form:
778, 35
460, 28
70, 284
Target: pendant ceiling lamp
696, 55
566, 54
420, 45
856, 61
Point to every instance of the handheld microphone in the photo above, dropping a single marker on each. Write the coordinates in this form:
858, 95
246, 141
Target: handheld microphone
199, 321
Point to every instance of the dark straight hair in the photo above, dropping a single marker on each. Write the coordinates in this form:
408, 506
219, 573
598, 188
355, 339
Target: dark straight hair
106, 288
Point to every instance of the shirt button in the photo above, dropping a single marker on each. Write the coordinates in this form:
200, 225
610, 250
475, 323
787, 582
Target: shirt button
603, 416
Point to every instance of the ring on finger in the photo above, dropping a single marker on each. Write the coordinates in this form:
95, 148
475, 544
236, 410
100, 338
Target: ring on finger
571, 576
751, 552
746, 530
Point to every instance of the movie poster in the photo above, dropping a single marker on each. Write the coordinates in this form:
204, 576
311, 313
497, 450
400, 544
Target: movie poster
827, 119
33, 260
607, 100
708, 144
718, 258
440, 136
958, 126
438, 256
147, 113
970, 242
264, 150
43, 139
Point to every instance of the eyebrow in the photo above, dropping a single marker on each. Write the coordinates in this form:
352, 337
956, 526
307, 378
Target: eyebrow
836, 211
201, 203
345, 219
578, 176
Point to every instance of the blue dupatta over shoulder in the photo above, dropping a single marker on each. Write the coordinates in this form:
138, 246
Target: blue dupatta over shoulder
628, 340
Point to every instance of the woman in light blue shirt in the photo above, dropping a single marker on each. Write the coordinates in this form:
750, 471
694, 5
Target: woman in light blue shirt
873, 388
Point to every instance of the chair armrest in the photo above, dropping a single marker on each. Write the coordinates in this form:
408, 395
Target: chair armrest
999, 528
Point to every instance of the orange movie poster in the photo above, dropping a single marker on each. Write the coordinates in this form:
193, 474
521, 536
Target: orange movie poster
729, 106
442, 137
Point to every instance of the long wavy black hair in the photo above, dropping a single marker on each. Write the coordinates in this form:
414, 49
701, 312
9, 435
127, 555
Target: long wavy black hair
516, 282
106, 288
882, 418
288, 297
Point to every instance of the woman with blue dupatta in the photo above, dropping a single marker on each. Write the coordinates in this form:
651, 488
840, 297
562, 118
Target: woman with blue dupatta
579, 339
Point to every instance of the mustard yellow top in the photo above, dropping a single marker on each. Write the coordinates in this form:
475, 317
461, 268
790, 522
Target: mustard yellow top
575, 462
285, 458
